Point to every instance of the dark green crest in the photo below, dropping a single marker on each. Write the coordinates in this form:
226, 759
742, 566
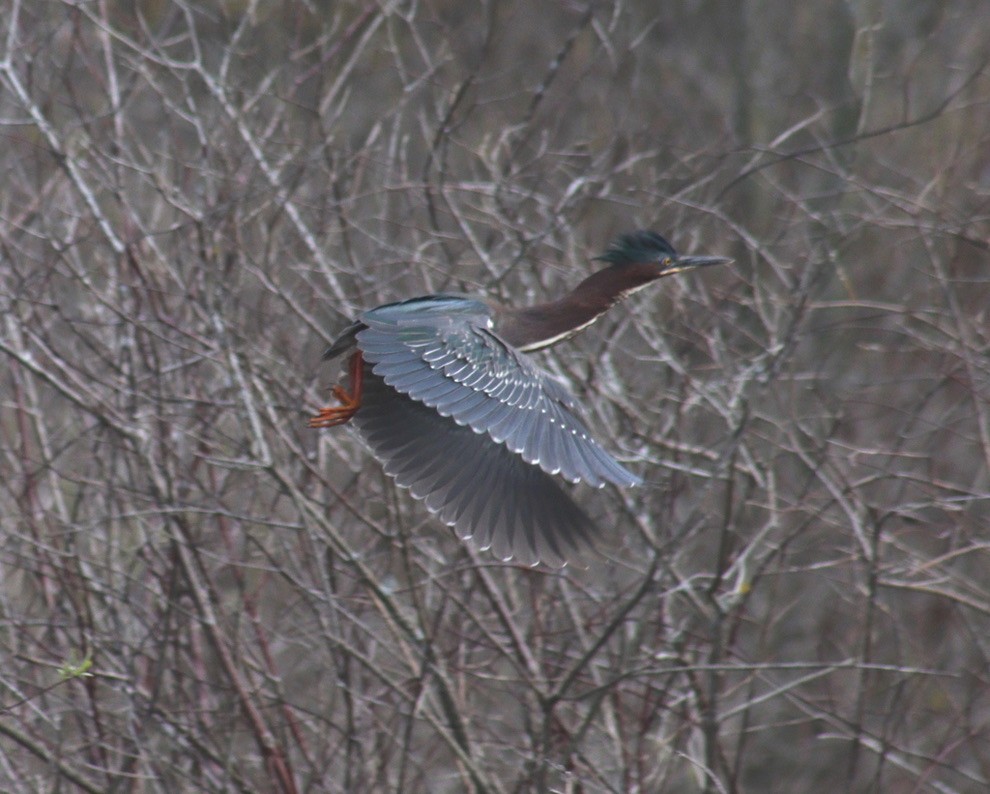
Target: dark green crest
640, 246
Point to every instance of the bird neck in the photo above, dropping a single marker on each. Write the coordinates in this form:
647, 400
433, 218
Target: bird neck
545, 324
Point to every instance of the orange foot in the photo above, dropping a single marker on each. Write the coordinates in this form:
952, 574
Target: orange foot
334, 415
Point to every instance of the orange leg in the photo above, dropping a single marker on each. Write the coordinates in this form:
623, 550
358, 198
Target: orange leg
334, 415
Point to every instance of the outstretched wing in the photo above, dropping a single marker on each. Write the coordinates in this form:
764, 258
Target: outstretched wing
442, 352
482, 489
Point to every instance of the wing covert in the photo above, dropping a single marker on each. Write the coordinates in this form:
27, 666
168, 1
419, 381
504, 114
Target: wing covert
441, 351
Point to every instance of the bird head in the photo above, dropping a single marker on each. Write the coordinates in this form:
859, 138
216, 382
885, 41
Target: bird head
645, 247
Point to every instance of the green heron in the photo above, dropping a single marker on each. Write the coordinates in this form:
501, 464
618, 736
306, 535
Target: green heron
443, 395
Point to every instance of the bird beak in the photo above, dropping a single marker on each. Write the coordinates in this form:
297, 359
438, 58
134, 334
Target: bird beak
682, 263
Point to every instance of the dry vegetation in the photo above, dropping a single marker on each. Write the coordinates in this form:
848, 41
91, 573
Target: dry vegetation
198, 593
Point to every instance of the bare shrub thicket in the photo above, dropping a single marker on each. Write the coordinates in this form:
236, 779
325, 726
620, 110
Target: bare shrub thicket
198, 593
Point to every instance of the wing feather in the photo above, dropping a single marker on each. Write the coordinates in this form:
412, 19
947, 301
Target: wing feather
441, 352
478, 486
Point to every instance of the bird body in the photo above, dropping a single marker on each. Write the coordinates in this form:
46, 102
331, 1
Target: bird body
447, 400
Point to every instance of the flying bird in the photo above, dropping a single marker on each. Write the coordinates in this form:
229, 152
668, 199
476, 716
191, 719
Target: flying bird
444, 395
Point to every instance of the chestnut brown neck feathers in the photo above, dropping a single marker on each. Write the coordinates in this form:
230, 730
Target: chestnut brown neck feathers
545, 324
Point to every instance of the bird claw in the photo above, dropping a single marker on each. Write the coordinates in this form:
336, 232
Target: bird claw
334, 415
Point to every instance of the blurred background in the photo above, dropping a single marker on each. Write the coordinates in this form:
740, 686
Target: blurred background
198, 593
